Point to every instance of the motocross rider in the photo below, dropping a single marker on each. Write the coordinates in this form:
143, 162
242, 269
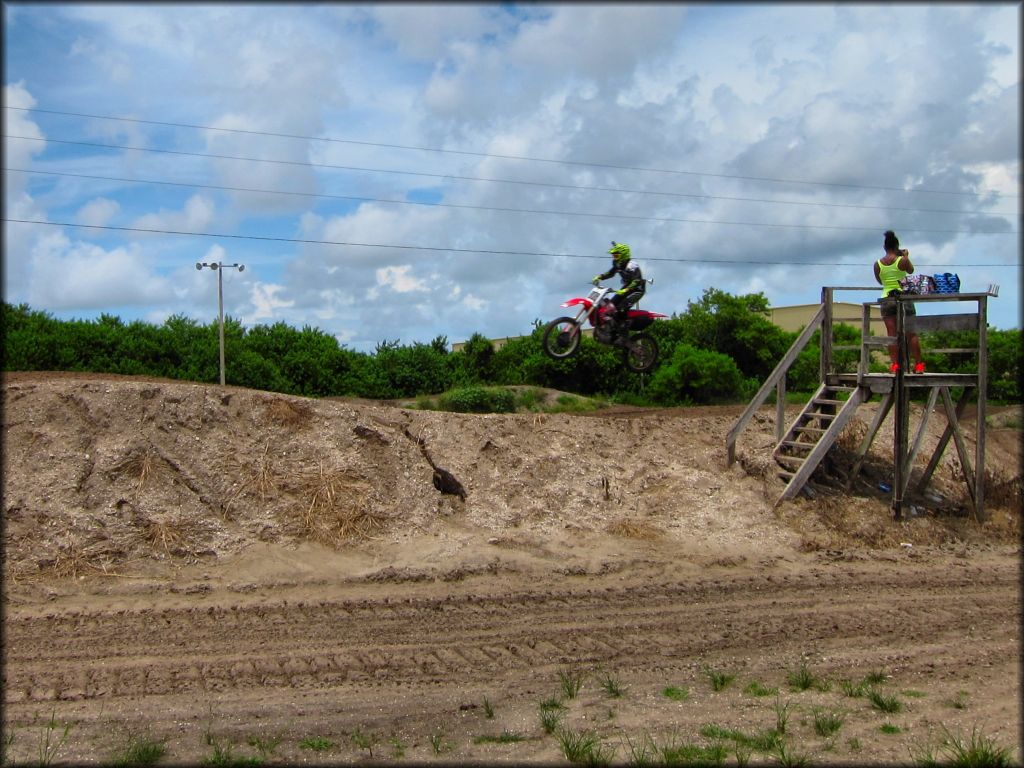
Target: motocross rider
633, 284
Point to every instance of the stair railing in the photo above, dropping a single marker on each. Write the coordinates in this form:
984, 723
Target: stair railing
777, 380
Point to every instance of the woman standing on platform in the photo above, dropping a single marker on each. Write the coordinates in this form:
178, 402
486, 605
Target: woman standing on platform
889, 270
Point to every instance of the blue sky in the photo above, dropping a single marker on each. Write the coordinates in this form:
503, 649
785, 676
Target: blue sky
408, 171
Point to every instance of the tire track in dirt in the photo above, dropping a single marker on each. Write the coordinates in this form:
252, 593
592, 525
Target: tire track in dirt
904, 615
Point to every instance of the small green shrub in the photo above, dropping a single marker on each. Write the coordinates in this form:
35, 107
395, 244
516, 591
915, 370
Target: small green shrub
719, 680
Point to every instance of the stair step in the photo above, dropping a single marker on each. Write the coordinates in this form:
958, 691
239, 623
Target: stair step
784, 474
825, 401
795, 444
816, 415
809, 429
795, 459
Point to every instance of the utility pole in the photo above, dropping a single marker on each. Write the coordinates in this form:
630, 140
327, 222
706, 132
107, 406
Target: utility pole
218, 267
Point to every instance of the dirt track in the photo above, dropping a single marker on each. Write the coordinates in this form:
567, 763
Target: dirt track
245, 628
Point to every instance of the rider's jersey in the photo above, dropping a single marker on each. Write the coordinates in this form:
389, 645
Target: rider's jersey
632, 278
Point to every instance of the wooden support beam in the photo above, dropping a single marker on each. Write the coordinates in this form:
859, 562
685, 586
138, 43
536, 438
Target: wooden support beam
961, 448
944, 440
918, 438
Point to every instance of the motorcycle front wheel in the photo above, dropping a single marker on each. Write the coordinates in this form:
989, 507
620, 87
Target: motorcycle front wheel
561, 338
641, 353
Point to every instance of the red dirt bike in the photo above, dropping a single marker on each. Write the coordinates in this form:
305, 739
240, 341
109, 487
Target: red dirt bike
562, 335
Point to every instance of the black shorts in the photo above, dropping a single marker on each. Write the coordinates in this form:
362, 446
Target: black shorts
889, 308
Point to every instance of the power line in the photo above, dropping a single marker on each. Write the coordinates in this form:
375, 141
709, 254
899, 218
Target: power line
444, 249
505, 157
534, 211
458, 178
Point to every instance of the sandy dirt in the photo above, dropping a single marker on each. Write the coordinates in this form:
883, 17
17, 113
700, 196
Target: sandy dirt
241, 574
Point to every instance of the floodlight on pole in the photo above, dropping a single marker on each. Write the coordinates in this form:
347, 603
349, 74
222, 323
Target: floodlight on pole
219, 267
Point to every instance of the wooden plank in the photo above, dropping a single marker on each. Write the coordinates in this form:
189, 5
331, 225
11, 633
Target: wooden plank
880, 341
921, 324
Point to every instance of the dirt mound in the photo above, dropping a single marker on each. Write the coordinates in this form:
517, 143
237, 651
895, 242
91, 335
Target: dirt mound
107, 473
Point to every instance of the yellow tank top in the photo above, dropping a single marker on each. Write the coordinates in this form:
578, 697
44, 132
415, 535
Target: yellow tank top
890, 275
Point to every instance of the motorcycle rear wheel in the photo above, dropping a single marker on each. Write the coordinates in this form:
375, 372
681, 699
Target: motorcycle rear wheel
641, 353
561, 338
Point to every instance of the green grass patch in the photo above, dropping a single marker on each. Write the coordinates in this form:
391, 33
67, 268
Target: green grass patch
890, 728
676, 693
883, 703
827, 723
765, 741
584, 747
757, 689
316, 744
611, 686
571, 681
139, 751
802, 679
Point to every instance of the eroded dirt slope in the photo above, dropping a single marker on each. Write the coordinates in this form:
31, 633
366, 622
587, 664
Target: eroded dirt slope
223, 568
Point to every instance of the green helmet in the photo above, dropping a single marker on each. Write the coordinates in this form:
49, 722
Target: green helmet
619, 252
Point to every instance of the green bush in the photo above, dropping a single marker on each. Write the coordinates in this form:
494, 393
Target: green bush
696, 376
478, 400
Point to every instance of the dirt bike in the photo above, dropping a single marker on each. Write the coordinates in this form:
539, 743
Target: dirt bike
562, 335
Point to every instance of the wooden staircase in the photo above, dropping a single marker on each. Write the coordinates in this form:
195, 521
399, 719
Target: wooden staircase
810, 436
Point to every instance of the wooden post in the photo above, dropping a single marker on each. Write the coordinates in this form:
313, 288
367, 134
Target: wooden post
979, 448
902, 421
780, 409
825, 362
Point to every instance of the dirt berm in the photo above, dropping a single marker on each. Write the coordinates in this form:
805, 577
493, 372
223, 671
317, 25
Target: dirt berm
236, 573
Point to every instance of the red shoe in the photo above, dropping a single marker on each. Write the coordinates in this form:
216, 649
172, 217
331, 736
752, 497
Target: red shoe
894, 368
919, 368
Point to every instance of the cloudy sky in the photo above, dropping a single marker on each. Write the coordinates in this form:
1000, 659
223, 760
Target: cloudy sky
406, 171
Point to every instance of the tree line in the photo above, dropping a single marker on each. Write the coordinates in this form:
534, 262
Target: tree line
719, 349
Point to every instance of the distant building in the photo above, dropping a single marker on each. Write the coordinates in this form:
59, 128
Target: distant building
797, 316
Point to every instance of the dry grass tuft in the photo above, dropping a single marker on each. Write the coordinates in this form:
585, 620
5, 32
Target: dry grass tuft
335, 508
142, 464
634, 529
259, 476
288, 413
168, 536
72, 561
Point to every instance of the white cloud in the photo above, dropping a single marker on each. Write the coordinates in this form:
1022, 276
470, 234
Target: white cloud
197, 215
97, 212
399, 280
76, 275
263, 297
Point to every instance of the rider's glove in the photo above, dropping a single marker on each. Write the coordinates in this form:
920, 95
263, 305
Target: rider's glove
596, 280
